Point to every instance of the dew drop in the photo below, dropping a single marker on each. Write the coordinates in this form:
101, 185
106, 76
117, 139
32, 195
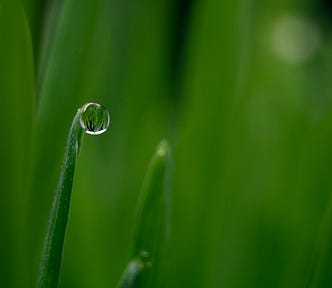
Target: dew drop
94, 119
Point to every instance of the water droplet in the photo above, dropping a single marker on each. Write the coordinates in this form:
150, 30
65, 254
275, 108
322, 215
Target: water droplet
94, 119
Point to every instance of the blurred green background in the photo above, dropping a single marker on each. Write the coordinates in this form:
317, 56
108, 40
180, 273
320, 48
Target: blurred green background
241, 89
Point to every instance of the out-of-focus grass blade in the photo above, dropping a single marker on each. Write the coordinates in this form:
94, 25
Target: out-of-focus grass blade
47, 31
132, 276
319, 272
53, 246
16, 118
149, 266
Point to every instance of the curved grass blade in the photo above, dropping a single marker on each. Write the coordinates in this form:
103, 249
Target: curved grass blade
53, 245
149, 266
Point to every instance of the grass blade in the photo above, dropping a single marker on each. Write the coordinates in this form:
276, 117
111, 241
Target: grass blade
318, 274
16, 116
149, 264
53, 245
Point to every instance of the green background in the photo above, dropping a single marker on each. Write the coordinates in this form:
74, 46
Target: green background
242, 91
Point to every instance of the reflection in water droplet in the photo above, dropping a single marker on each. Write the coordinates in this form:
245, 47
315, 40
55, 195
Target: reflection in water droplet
95, 118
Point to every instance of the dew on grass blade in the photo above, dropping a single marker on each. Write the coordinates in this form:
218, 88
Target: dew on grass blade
94, 119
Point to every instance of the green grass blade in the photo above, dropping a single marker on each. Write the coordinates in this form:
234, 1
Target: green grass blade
53, 246
16, 116
319, 274
63, 83
132, 275
149, 264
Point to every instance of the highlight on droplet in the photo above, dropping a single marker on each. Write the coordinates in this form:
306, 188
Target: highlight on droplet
95, 118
